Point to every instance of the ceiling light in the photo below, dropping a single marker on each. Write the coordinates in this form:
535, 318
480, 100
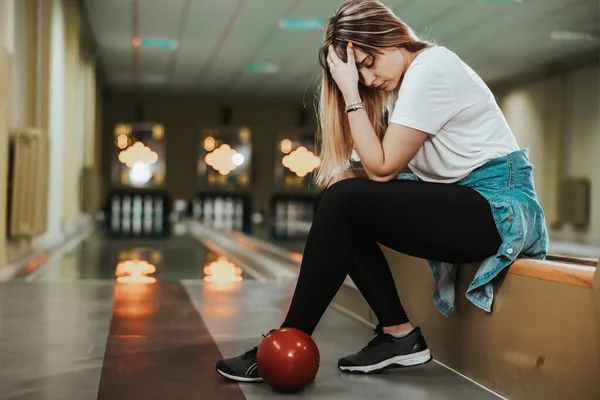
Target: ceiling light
156, 43
263, 68
154, 78
500, 1
301, 24
568, 35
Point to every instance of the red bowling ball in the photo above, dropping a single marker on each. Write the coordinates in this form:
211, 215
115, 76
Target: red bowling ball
288, 359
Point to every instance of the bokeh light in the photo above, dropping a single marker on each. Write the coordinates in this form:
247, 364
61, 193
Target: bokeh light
301, 161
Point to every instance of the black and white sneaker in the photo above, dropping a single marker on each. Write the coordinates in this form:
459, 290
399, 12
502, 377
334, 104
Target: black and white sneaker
241, 368
386, 351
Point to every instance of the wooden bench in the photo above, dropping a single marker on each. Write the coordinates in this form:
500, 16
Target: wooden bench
568, 270
577, 271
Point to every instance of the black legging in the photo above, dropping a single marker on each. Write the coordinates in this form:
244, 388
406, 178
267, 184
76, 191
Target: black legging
443, 222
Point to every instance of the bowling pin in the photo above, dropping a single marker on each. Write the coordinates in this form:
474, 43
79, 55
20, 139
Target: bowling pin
197, 209
291, 220
207, 217
137, 207
219, 213
116, 205
158, 206
239, 215
302, 218
115, 214
126, 207
126, 215
136, 226
148, 217
126, 226
229, 213
115, 223
280, 218
158, 215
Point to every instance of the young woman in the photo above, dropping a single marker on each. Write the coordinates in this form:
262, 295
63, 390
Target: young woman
447, 183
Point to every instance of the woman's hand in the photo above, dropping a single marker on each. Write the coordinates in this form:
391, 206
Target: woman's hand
344, 74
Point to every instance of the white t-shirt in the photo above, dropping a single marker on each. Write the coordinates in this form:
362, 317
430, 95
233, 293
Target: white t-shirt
444, 97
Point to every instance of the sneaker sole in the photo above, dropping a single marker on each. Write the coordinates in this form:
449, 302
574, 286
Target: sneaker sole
411, 360
238, 378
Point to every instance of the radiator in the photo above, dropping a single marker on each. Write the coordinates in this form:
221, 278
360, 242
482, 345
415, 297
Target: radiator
28, 182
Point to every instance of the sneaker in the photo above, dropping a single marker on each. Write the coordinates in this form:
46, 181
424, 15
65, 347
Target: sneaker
386, 351
241, 368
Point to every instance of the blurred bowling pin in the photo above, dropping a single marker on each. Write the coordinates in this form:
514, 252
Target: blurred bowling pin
148, 217
197, 208
116, 205
207, 217
115, 222
280, 218
239, 215
137, 216
292, 218
126, 207
158, 207
126, 216
126, 225
158, 214
219, 213
229, 213
115, 214
137, 207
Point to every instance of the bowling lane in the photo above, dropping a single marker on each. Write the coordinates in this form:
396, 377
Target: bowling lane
70, 331
238, 316
52, 338
175, 257
73, 331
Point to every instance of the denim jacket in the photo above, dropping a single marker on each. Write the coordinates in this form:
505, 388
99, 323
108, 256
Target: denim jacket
507, 184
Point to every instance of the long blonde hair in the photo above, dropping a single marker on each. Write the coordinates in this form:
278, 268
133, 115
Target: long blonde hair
371, 27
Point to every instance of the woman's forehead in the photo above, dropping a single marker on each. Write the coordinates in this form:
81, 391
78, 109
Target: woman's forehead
360, 56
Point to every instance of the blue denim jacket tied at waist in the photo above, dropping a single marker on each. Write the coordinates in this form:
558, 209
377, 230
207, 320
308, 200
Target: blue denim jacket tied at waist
507, 184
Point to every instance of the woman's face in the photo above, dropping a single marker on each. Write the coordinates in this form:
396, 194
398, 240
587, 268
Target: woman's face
383, 71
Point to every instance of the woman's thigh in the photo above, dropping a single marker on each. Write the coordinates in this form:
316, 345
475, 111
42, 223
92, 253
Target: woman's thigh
442, 222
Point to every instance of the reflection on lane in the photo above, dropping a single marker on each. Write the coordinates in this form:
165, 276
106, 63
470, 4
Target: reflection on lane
136, 265
135, 271
222, 283
169, 259
222, 271
133, 308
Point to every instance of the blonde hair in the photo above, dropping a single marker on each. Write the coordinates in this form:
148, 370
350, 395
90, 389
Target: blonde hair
371, 27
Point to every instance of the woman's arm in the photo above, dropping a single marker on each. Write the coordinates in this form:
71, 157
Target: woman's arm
382, 159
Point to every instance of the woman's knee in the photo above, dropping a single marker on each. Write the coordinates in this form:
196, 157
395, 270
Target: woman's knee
340, 192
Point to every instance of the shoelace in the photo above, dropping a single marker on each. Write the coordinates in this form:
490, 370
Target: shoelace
250, 353
254, 351
381, 337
